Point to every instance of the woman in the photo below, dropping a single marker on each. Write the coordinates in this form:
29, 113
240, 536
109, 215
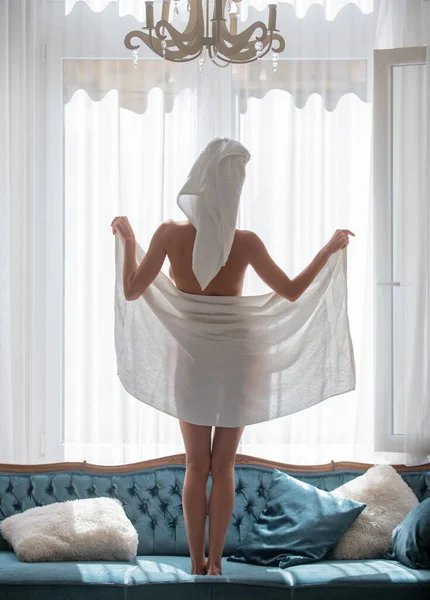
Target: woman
183, 243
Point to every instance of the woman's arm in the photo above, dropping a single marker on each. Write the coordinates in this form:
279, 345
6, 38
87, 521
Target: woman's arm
275, 278
137, 278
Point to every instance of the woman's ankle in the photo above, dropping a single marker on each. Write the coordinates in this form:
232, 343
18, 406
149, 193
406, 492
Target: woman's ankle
199, 567
213, 570
213, 567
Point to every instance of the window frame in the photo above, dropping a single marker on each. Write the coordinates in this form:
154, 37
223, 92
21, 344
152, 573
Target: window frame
385, 288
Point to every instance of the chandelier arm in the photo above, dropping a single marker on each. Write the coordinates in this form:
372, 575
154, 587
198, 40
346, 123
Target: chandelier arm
221, 66
231, 61
216, 36
246, 54
187, 36
212, 55
177, 40
195, 19
178, 56
281, 43
239, 38
144, 37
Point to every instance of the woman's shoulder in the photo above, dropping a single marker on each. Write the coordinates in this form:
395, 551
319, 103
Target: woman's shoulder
247, 237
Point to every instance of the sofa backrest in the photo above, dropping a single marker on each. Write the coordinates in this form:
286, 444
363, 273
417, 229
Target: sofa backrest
152, 497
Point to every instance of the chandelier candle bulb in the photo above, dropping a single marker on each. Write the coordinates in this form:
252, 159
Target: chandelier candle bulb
149, 5
165, 13
233, 23
272, 17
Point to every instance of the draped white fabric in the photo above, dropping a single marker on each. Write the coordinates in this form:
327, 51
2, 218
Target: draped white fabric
130, 138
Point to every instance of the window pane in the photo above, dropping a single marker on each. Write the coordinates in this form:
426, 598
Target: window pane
408, 83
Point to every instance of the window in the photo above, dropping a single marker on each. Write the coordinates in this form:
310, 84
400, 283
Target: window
398, 98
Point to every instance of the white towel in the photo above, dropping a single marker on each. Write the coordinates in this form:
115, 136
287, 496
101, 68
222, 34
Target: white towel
210, 200
232, 361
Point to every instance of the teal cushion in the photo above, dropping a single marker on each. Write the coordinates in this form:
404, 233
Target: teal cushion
140, 580
300, 524
411, 538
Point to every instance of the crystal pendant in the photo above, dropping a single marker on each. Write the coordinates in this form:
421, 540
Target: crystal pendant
189, 6
135, 55
163, 48
259, 48
275, 59
202, 60
176, 9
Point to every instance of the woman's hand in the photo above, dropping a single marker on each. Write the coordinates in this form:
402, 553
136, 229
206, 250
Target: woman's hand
339, 241
122, 225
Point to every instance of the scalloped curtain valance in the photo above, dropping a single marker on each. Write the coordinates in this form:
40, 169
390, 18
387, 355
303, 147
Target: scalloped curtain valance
322, 57
330, 79
137, 8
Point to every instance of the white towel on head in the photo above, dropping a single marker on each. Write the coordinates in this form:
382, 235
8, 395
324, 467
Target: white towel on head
210, 199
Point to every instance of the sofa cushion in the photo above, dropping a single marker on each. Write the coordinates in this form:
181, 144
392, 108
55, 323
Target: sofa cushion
300, 524
388, 500
384, 580
13, 571
90, 529
411, 538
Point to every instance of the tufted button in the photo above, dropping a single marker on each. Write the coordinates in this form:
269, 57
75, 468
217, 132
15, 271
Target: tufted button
17, 506
10, 488
249, 508
132, 491
154, 490
154, 523
91, 491
30, 489
112, 490
49, 489
143, 507
240, 487
175, 489
71, 489
164, 507
261, 491
173, 522
238, 520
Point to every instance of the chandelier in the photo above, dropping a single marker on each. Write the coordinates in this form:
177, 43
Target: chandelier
216, 37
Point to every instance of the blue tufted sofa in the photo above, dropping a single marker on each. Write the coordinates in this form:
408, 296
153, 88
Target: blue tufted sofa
151, 494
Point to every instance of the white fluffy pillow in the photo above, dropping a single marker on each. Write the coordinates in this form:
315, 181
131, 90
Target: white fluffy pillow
388, 499
93, 529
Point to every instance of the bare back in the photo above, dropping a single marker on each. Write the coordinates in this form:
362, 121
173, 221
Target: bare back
229, 280
175, 240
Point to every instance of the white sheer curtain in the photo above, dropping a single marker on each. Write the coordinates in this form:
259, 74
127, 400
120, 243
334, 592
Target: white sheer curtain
128, 138
406, 24
18, 203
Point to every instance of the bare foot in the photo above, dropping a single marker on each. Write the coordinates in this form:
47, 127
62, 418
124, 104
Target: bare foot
199, 569
212, 570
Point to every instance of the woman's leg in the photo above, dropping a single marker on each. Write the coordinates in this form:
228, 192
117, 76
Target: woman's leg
197, 440
221, 502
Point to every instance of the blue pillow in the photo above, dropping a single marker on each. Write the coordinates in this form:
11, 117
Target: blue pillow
299, 525
411, 538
